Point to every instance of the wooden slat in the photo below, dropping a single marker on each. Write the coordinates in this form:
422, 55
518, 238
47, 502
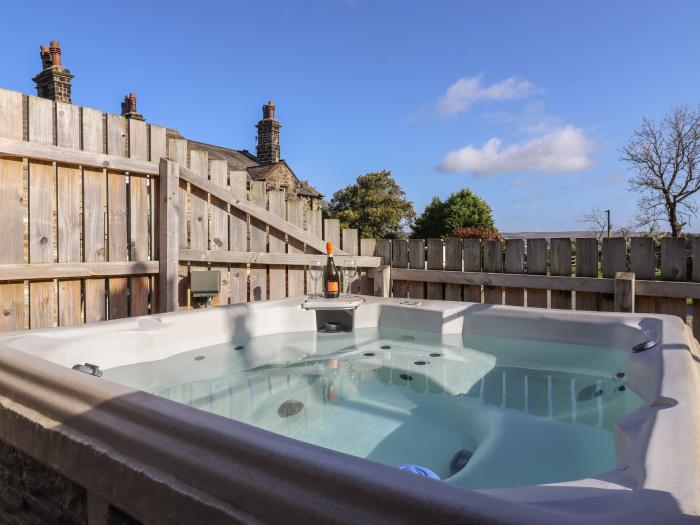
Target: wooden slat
218, 230
93, 136
561, 265
68, 197
139, 211
157, 142
168, 284
11, 212
350, 238
493, 262
453, 262
537, 265
315, 227
673, 268
514, 263
177, 151
238, 238
295, 275
643, 264
67, 125
117, 218
277, 244
399, 259
472, 263
94, 216
434, 262
50, 153
76, 270
540, 282
586, 266
41, 185
331, 232
292, 259
258, 243
416, 261
613, 260
199, 229
368, 247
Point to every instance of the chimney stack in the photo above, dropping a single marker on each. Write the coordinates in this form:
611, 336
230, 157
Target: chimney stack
268, 150
129, 107
54, 80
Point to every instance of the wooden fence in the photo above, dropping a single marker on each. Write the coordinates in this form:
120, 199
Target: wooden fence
83, 217
103, 217
556, 273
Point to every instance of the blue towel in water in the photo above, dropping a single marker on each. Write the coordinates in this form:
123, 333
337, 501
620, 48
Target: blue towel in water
421, 471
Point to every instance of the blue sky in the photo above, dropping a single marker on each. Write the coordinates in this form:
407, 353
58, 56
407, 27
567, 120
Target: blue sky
526, 103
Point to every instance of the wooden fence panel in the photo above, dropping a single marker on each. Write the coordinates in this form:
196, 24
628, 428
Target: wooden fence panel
218, 230
587, 266
614, 259
295, 274
41, 187
643, 264
472, 263
493, 262
314, 223
399, 259
238, 238
367, 247
453, 262
350, 244
68, 195
138, 212
94, 216
278, 273
515, 263
117, 218
673, 268
258, 243
561, 265
158, 150
11, 212
434, 290
177, 151
416, 261
331, 232
537, 265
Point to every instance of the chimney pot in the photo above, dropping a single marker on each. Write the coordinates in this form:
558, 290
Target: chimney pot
55, 49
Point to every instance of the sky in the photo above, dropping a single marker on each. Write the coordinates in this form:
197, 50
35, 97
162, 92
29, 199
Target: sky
526, 103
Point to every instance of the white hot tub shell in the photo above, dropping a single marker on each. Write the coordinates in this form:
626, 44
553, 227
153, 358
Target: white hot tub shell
164, 462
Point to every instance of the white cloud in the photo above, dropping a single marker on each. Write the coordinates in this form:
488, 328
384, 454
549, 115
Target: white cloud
460, 96
563, 150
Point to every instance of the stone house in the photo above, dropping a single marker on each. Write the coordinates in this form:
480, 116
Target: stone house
54, 82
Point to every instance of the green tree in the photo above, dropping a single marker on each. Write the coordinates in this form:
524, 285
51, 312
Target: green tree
375, 205
462, 209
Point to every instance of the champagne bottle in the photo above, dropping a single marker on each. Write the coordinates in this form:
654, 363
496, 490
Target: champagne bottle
332, 275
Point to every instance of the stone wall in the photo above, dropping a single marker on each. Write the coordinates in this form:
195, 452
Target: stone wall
33, 494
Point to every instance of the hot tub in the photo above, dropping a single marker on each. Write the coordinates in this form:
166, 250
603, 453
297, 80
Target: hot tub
251, 413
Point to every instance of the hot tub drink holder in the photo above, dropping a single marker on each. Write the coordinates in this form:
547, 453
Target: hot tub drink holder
333, 315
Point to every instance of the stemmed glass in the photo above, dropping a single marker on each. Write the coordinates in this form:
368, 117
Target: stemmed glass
349, 275
315, 272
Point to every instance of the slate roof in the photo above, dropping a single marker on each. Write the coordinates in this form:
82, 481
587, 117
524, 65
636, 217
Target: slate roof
243, 160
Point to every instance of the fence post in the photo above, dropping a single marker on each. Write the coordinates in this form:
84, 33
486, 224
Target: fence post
624, 292
382, 281
168, 234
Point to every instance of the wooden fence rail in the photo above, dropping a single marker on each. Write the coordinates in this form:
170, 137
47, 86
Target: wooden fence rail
557, 273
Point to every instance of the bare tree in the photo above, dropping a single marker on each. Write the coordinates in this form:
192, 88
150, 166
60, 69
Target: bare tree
597, 219
665, 156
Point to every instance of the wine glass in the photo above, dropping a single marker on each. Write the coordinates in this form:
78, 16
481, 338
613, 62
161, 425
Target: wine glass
349, 275
315, 272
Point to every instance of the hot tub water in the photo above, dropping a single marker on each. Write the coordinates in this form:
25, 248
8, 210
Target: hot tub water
519, 412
